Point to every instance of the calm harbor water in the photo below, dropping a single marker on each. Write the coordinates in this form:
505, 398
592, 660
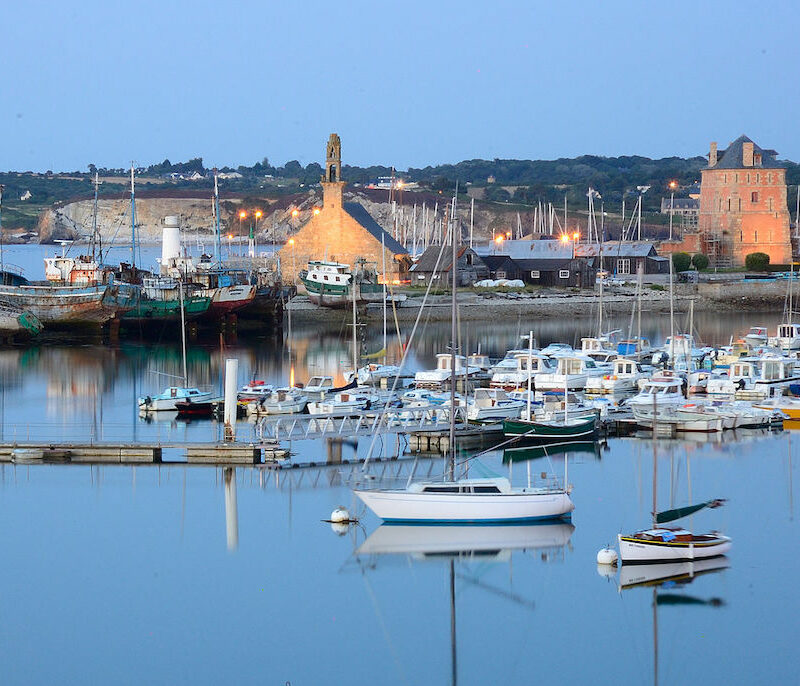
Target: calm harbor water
174, 574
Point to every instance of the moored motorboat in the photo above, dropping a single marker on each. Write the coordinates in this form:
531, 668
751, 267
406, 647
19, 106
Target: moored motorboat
168, 399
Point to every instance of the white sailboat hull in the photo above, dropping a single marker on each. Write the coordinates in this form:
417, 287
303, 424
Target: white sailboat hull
404, 506
631, 551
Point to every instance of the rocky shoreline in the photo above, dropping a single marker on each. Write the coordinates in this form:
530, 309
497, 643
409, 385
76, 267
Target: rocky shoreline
487, 306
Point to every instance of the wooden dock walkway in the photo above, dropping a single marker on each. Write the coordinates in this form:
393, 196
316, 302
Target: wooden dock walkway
30, 452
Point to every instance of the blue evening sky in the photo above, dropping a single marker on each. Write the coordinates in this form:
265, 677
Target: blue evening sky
408, 84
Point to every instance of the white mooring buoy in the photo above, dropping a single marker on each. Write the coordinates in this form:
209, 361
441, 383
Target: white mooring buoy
607, 556
341, 515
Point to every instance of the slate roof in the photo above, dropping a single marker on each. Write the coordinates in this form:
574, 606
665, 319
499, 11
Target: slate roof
522, 250
427, 261
365, 219
732, 157
615, 249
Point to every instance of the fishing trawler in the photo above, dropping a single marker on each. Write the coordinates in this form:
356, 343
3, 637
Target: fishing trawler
330, 284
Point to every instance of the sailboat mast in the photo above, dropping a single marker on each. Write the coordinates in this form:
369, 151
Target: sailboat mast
133, 222
94, 213
655, 460
183, 335
383, 255
453, 342
2, 266
355, 351
671, 320
217, 230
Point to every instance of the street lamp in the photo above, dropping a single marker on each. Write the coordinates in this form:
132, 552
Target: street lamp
498, 241
672, 186
242, 217
642, 190
230, 238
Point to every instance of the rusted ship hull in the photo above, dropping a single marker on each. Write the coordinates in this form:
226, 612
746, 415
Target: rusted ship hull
71, 306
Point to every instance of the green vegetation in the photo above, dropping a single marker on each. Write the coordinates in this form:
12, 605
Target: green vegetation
681, 261
656, 287
756, 262
700, 261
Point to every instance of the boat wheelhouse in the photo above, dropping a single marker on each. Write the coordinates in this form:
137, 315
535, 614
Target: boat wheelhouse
788, 337
755, 378
439, 377
491, 405
572, 371
508, 379
661, 390
624, 376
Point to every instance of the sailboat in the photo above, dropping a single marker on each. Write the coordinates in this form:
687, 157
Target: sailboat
662, 543
172, 396
466, 501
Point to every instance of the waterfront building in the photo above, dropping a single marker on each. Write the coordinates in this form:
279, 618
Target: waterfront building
743, 205
342, 231
471, 267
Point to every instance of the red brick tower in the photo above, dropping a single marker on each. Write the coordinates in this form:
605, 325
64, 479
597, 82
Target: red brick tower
743, 205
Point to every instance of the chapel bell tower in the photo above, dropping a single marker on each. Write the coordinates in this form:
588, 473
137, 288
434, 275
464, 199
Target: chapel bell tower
332, 183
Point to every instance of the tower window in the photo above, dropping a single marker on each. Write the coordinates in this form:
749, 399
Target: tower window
729, 204
769, 204
754, 196
739, 200
755, 236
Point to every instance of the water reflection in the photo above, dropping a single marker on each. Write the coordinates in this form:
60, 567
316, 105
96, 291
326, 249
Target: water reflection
488, 543
231, 509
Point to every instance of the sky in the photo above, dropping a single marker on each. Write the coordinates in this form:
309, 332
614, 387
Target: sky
405, 84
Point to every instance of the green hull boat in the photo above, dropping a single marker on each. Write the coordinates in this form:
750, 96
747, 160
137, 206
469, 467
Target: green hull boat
550, 431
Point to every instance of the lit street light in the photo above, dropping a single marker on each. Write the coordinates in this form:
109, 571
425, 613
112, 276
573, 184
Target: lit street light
672, 186
242, 216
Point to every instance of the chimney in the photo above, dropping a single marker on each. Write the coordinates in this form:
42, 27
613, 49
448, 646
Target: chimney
712, 155
747, 154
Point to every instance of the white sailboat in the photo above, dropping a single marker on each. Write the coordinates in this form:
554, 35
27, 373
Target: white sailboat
661, 543
465, 501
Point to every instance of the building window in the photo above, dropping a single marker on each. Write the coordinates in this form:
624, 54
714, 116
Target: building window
748, 177
729, 204
754, 196
624, 266
500, 274
740, 204
741, 236
724, 178
736, 177
563, 274
757, 159
755, 236
469, 259
769, 204
535, 274
758, 178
